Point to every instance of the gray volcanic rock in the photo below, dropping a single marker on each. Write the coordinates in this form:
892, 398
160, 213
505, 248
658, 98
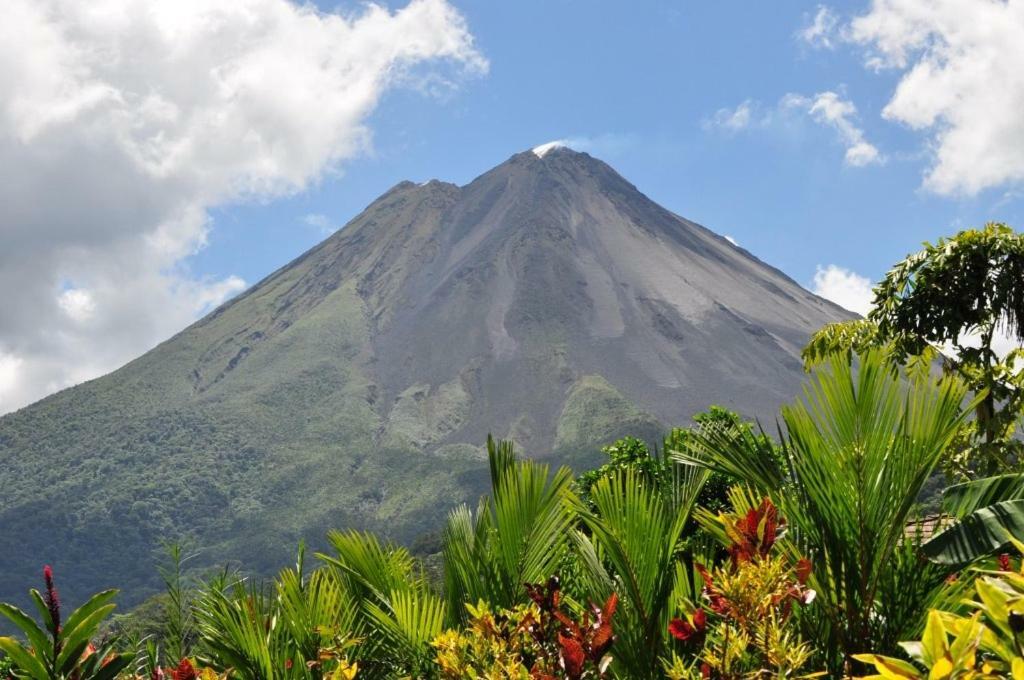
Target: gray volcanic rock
548, 301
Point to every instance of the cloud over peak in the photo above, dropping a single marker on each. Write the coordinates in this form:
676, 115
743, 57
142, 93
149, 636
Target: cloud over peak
125, 122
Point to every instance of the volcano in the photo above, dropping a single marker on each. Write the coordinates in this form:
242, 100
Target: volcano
548, 301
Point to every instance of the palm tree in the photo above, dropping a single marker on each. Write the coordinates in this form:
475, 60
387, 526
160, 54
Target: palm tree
857, 450
631, 545
399, 613
519, 535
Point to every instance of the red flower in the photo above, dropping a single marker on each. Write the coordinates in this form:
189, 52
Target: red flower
1004, 562
51, 597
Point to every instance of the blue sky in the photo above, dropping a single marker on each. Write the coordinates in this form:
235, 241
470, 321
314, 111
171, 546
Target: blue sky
639, 81
146, 186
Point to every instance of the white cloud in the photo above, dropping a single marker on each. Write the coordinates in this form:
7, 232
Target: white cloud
603, 145
828, 108
961, 64
821, 31
122, 123
542, 150
734, 120
843, 287
77, 303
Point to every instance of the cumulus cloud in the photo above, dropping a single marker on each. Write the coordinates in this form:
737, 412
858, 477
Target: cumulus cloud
828, 108
846, 288
821, 31
122, 123
959, 65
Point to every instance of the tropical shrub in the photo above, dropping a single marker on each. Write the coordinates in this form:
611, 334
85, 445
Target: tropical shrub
657, 467
630, 545
986, 641
856, 454
746, 630
954, 295
62, 649
539, 641
396, 612
519, 535
985, 513
295, 627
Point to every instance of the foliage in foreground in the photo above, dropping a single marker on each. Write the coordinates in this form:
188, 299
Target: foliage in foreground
63, 648
984, 638
857, 452
745, 631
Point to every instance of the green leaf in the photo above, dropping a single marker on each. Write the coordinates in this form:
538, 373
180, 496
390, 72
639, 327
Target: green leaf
79, 636
94, 603
36, 635
960, 500
978, 534
24, 660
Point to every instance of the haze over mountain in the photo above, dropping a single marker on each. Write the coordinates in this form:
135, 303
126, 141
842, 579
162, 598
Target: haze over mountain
547, 301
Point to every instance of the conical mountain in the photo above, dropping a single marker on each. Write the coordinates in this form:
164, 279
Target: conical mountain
548, 301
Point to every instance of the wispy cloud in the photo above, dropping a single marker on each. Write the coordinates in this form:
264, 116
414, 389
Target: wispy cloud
959, 64
322, 223
227, 102
825, 108
743, 116
828, 108
822, 30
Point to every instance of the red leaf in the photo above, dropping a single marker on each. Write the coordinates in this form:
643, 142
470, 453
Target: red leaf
184, 671
572, 657
803, 570
609, 607
681, 629
700, 620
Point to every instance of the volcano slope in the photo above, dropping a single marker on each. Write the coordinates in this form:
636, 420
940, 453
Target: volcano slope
547, 301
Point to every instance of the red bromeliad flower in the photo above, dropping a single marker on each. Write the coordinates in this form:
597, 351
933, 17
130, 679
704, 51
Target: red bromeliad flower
1004, 563
578, 642
803, 570
548, 596
601, 634
51, 597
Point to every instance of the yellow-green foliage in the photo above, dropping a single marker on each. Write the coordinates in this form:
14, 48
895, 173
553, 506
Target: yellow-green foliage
984, 644
746, 630
489, 647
